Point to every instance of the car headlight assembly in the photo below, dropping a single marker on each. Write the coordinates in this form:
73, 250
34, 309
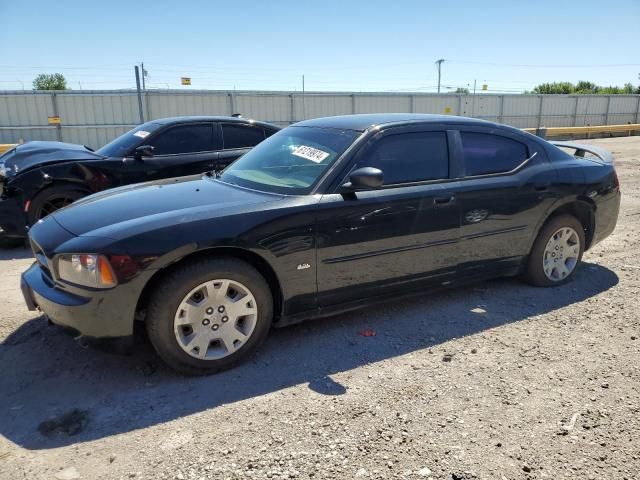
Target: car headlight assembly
87, 270
7, 171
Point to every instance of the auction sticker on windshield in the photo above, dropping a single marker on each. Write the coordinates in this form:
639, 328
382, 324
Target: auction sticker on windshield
141, 133
310, 153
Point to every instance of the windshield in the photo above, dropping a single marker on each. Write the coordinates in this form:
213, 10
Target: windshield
122, 145
291, 161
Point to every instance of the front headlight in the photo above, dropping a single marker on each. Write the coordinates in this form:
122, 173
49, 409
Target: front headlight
87, 270
7, 171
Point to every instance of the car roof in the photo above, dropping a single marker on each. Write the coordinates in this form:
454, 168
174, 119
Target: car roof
363, 122
211, 118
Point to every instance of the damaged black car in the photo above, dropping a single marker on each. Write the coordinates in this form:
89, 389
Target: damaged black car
37, 178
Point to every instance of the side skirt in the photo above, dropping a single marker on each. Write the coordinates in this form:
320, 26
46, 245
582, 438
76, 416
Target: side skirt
323, 312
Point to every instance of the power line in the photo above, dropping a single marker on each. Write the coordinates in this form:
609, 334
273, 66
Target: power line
609, 65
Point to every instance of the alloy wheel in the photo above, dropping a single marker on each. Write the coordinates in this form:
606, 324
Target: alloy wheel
52, 204
561, 254
215, 319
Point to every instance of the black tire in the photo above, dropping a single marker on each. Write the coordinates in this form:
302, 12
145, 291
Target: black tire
51, 199
534, 271
175, 286
12, 242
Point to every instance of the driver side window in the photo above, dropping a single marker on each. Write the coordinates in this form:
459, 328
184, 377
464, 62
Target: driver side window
184, 139
409, 157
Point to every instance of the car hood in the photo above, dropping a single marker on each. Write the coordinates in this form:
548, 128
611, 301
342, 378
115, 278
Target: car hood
125, 211
34, 154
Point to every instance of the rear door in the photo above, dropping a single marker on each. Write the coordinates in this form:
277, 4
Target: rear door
379, 242
237, 139
503, 190
180, 150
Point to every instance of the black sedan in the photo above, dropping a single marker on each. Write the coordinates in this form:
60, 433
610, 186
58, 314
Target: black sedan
325, 216
37, 178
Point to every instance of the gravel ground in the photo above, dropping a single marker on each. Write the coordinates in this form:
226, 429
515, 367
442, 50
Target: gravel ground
495, 381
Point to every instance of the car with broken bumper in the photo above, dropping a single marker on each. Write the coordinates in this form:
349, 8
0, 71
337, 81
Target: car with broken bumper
37, 178
325, 216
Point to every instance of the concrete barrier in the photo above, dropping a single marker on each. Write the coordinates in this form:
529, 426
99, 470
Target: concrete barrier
585, 132
6, 146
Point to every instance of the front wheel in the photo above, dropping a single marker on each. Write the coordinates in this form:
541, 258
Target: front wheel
51, 199
207, 315
556, 252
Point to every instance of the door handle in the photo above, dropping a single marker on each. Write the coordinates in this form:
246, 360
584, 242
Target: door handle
442, 201
541, 187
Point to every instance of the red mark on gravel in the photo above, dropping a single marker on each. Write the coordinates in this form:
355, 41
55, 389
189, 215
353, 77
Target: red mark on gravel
367, 333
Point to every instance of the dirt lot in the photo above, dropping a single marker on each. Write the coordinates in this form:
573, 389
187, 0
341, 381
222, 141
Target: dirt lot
494, 381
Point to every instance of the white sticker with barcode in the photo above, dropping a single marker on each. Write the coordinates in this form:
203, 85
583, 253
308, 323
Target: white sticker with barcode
310, 153
141, 133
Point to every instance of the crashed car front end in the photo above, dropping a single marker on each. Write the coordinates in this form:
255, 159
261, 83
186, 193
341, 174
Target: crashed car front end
22, 177
12, 215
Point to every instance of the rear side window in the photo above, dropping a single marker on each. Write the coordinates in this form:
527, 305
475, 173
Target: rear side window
241, 136
485, 153
184, 139
268, 132
410, 157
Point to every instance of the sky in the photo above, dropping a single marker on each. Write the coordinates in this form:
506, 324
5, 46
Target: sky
344, 45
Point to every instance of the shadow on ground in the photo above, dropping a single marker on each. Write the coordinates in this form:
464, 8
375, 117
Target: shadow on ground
45, 373
15, 253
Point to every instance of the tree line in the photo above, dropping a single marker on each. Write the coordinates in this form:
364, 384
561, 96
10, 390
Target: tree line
584, 87
56, 81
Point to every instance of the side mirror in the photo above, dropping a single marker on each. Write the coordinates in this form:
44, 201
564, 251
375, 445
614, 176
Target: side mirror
143, 151
365, 178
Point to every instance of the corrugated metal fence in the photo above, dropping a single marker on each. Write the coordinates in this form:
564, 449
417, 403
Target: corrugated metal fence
95, 117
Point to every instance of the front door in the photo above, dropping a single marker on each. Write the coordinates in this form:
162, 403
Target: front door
182, 150
373, 243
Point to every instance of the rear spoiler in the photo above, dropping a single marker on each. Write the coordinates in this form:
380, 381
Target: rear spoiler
581, 149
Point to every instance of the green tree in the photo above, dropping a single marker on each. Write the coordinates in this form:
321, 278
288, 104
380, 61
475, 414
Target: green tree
555, 88
583, 87
586, 87
610, 90
50, 81
464, 91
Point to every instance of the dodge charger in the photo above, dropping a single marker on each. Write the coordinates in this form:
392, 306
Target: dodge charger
325, 216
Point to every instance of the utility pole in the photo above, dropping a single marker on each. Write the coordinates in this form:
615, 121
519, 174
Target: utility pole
439, 63
473, 100
144, 74
137, 71
303, 117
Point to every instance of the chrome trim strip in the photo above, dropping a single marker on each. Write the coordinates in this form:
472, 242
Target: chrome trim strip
387, 251
494, 232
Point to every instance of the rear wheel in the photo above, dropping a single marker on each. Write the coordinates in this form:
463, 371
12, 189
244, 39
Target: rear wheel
51, 199
556, 252
208, 315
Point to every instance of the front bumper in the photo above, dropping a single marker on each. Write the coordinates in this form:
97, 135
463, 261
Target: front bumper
93, 313
13, 219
